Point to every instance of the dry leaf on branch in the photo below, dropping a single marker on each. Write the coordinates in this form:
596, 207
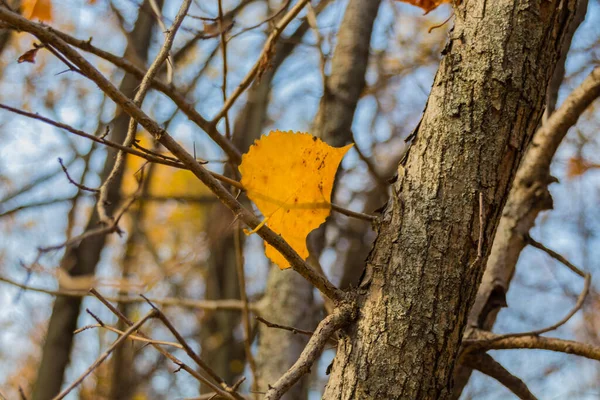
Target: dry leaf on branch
427, 5
289, 176
28, 56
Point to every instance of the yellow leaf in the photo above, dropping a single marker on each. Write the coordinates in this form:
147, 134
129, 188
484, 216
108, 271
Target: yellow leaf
37, 9
289, 176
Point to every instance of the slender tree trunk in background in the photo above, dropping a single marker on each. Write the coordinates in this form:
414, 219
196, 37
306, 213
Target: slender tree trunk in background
423, 273
123, 381
221, 349
528, 197
82, 259
288, 301
290, 298
334, 118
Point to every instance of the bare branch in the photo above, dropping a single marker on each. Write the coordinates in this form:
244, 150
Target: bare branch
325, 329
208, 305
105, 354
144, 86
165, 353
132, 337
298, 264
262, 58
103, 230
584, 292
490, 341
150, 157
187, 108
528, 197
34, 204
36, 181
284, 327
189, 351
354, 214
159, 19
72, 181
485, 364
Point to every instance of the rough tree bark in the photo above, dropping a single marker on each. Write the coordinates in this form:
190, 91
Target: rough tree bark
82, 259
289, 297
423, 272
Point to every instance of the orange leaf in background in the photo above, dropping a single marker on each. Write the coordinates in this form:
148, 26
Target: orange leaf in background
37, 9
28, 56
578, 166
426, 5
289, 176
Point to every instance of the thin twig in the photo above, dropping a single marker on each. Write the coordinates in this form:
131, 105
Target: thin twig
353, 214
284, 327
189, 351
72, 181
382, 183
161, 23
165, 353
146, 154
105, 354
580, 300
101, 140
223, 34
138, 99
187, 108
268, 19
208, 305
35, 204
132, 337
36, 181
104, 230
264, 54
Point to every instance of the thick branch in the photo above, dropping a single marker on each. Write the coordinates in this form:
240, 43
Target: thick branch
485, 364
490, 341
325, 329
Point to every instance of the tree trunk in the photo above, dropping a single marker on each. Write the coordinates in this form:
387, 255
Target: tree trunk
423, 272
82, 259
